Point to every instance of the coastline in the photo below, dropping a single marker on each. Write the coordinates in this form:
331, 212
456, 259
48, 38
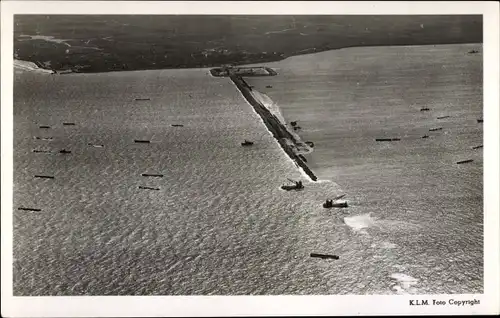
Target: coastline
241, 63
288, 142
30, 67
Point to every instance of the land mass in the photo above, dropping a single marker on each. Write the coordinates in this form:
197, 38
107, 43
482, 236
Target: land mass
103, 43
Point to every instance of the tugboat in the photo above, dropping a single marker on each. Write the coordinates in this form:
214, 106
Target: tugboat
246, 143
335, 203
298, 186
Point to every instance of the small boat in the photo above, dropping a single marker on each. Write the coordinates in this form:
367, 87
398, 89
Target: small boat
30, 209
148, 188
477, 147
336, 204
436, 129
289, 187
387, 139
142, 99
139, 141
152, 175
310, 144
298, 186
464, 161
297, 128
324, 256
293, 123
443, 117
43, 177
247, 143
425, 136
64, 151
269, 86
95, 145
43, 138
41, 151
473, 51
425, 109
45, 127
68, 124
479, 120
177, 125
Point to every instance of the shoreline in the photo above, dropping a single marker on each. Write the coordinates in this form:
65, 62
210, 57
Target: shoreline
30, 67
286, 140
308, 51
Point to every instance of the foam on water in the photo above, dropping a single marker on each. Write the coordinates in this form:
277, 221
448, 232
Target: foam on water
360, 222
412, 191
220, 223
405, 284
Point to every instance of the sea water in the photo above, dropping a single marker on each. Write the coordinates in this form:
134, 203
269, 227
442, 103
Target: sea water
414, 211
219, 223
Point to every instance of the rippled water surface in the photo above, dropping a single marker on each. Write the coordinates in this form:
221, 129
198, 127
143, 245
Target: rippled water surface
408, 198
220, 224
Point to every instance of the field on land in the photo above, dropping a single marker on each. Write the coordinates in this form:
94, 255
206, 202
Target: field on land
104, 43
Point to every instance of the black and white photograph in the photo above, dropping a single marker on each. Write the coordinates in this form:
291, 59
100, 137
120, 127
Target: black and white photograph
249, 154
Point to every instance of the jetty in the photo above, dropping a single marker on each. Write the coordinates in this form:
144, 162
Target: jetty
273, 124
227, 71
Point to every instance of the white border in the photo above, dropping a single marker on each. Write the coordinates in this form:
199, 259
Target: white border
256, 305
